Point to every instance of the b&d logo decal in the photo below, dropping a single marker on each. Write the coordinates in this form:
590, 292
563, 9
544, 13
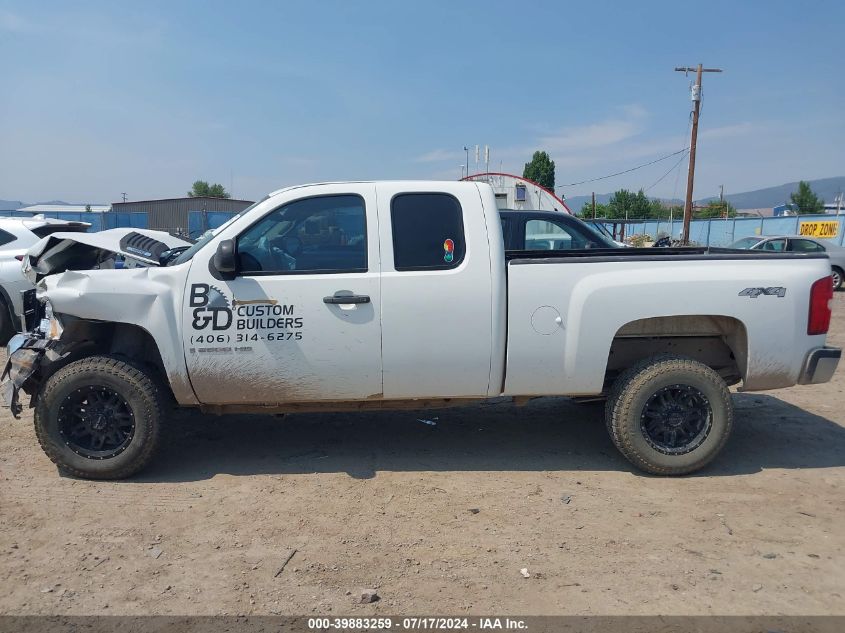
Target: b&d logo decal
211, 307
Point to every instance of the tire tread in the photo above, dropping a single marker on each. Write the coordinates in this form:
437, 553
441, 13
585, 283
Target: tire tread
620, 401
118, 368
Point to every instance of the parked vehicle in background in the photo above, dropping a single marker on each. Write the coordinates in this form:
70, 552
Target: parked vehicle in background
16, 236
799, 244
400, 295
549, 231
599, 227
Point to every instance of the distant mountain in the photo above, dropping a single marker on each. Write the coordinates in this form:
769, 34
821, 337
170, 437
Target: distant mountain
11, 205
825, 188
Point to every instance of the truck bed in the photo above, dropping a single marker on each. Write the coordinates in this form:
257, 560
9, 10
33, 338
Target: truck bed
653, 254
562, 320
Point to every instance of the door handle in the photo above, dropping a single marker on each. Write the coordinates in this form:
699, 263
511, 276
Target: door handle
347, 299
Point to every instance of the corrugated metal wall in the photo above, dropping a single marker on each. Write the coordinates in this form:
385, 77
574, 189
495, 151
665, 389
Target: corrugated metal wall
721, 232
172, 214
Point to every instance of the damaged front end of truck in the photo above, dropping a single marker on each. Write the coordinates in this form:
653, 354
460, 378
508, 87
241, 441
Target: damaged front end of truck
61, 263
31, 353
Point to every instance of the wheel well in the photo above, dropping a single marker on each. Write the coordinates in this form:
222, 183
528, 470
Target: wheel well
87, 338
720, 342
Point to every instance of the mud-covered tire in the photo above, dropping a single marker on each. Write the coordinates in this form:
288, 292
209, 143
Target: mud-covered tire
683, 378
140, 393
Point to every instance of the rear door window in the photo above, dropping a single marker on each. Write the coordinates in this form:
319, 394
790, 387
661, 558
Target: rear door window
544, 235
428, 231
805, 246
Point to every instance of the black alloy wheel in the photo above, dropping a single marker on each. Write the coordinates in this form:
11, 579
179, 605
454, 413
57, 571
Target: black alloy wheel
676, 419
96, 422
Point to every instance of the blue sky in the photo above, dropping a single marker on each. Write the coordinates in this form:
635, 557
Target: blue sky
101, 98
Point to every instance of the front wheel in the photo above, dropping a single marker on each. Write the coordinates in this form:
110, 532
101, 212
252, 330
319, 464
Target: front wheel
836, 274
669, 415
99, 418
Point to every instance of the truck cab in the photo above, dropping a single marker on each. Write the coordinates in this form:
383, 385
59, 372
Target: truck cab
347, 292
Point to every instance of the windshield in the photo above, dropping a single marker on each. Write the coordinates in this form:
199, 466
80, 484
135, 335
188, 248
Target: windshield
208, 235
601, 230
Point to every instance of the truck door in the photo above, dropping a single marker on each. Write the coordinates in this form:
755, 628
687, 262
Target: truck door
300, 320
437, 330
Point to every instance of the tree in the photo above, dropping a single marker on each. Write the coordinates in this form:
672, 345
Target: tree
715, 209
806, 200
541, 170
202, 189
87, 208
634, 206
627, 204
587, 210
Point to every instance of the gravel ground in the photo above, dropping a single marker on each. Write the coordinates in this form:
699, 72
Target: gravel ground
437, 518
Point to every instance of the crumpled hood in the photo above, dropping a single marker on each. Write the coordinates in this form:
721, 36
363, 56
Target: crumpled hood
85, 251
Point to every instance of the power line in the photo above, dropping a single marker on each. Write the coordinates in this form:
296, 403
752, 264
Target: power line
671, 169
619, 173
678, 173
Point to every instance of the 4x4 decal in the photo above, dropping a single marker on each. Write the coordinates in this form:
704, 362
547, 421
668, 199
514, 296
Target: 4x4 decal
776, 291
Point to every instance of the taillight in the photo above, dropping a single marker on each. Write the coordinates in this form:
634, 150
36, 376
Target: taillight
821, 294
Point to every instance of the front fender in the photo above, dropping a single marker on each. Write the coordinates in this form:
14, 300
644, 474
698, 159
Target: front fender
147, 298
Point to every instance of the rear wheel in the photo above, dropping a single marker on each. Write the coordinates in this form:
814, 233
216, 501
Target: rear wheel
669, 415
836, 273
99, 418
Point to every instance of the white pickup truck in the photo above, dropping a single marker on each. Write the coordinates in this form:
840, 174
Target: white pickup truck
378, 295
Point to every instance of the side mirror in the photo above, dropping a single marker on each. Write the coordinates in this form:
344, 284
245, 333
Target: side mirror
224, 259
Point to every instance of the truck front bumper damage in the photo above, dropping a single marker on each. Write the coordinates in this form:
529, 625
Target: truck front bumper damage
819, 365
26, 354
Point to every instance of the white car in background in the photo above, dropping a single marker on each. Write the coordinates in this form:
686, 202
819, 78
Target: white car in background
799, 244
16, 236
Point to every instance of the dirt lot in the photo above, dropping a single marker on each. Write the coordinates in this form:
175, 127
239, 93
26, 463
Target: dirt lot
437, 518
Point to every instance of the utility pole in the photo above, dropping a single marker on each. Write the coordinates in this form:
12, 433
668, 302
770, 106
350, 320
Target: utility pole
722, 204
124, 196
466, 149
594, 205
696, 109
